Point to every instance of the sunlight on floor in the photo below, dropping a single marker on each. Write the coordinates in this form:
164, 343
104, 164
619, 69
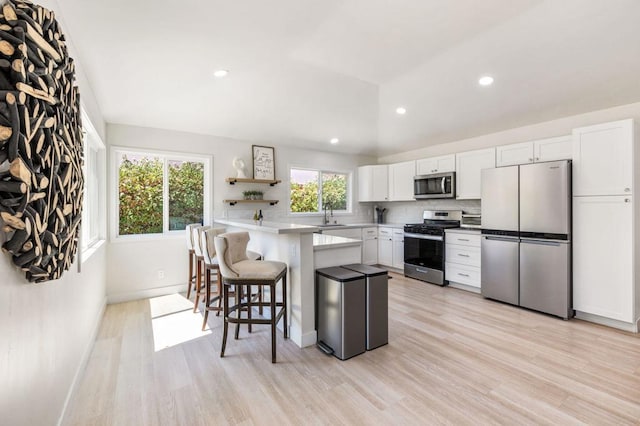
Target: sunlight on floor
174, 322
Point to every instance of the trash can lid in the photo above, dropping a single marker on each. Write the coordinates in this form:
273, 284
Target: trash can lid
339, 274
369, 271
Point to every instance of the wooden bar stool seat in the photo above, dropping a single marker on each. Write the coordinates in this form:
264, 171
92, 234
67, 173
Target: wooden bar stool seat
240, 273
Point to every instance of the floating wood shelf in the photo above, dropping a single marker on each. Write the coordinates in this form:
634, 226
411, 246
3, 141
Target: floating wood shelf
233, 181
234, 202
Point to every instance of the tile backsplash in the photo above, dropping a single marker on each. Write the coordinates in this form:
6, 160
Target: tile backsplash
411, 211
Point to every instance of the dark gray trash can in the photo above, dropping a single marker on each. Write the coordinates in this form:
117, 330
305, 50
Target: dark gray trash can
340, 312
377, 284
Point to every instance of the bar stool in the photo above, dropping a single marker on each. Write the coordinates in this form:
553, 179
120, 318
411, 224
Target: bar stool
189, 235
238, 271
211, 265
196, 233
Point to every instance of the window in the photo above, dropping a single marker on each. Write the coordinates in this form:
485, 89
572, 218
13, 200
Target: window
160, 192
313, 190
92, 228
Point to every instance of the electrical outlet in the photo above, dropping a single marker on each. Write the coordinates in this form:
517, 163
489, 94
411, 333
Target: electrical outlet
160, 274
293, 250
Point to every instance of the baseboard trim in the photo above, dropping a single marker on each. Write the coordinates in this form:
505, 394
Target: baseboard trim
309, 339
83, 361
465, 287
620, 325
145, 294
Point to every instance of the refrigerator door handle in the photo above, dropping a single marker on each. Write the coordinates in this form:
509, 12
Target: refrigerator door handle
555, 243
509, 240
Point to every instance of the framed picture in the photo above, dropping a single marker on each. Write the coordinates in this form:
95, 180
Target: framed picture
264, 165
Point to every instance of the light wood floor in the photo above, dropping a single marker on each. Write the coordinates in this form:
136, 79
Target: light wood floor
453, 358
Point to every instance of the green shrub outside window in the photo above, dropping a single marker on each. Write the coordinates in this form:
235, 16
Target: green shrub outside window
312, 190
149, 203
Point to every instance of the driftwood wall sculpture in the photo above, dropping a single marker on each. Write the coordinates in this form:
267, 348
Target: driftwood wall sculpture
41, 181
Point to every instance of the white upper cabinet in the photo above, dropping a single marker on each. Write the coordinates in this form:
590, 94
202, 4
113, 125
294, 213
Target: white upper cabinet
468, 167
401, 181
373, 183
517, 153
551, 149
603, 159
443, 164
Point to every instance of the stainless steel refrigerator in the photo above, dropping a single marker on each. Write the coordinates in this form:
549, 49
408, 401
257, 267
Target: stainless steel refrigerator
526, 236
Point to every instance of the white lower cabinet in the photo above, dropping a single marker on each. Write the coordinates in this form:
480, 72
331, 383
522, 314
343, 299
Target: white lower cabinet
462, 258
385, 246
603, 281
398, 248
370, 245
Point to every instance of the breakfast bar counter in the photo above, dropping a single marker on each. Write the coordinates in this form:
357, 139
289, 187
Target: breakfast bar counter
298, 247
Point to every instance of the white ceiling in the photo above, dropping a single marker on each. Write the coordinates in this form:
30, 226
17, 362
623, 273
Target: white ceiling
305, 71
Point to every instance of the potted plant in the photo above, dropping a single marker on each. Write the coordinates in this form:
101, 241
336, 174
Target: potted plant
247, 195
259, 195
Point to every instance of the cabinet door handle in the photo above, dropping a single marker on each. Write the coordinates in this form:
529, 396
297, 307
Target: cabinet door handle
530, 159
537, 158
463, 255
462, 239
626, 200
463, 275
627, 190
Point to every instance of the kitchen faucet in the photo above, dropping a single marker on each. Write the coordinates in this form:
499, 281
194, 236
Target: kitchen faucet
326, 219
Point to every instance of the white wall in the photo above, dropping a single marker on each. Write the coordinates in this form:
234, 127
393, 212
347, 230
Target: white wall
48, 329
134, 266
559, 127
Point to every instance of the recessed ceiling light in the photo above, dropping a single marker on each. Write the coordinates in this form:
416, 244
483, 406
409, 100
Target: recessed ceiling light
334, 141
485, 80
401, 110
220, 73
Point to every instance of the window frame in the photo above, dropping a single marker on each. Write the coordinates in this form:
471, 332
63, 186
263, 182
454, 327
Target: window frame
116, 151
92, 142
320, 212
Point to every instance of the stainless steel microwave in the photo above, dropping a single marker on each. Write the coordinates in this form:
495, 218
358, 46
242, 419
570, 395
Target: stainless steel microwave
438, 185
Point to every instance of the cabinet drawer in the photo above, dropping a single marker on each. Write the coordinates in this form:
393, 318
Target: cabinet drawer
467, 275
463, 255
398, 235
385, 232
369, 233
472, 240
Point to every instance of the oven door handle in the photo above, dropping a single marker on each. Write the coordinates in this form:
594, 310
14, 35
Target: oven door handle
423, 236
442, 184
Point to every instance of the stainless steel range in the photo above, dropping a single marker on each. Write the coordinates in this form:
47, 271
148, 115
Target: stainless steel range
424, 245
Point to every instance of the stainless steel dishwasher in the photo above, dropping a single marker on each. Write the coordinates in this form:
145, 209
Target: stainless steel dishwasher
341, 312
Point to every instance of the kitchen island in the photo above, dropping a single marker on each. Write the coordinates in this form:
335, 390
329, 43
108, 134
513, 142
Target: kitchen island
298, 247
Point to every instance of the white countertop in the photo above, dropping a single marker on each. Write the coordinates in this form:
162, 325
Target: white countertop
473, 231
324, 242
362, 225
271, 227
